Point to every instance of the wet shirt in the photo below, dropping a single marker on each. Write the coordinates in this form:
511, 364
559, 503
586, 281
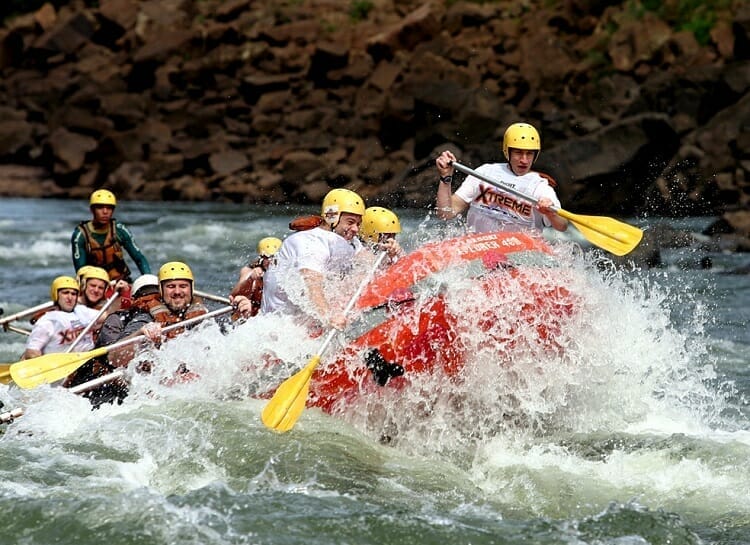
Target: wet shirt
492, 209
56, 330
318, 250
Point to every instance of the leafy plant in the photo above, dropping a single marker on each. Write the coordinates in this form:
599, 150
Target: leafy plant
360, 9
696, 16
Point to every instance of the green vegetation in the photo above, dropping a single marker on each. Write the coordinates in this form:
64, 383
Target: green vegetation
696, 16
360, 9
327, 26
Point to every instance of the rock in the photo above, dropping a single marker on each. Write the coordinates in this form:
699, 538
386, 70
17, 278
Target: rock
70, 148
278, 102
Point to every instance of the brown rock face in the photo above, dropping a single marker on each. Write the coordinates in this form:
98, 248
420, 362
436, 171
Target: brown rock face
279, 101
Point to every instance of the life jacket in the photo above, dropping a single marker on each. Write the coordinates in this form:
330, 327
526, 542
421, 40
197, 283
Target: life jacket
305, 223
145, 302
162, 315
252, 288
109, 255
550, 180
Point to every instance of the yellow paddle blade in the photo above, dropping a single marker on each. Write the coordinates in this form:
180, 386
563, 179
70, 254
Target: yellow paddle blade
50, 367
286, 405
5, 377
609, 234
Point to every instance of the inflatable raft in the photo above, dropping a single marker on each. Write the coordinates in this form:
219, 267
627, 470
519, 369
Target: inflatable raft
425, 312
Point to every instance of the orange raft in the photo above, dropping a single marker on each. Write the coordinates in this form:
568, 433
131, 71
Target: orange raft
423, 313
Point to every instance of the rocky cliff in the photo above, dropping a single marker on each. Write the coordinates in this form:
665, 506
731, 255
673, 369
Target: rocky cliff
642, 111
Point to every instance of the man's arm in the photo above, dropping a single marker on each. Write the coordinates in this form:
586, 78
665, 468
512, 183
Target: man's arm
448, 205
40, 336
120, 357
314, 283
557, 221
126, 239
78, 248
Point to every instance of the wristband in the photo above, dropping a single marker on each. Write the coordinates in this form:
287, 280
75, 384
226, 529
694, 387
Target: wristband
446, 179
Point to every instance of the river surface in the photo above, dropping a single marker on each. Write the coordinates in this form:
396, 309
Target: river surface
636, 433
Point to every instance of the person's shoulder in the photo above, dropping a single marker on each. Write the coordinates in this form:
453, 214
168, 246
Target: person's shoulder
52, 317
549, 179
79, 228
314, 234
85, 312
486, 168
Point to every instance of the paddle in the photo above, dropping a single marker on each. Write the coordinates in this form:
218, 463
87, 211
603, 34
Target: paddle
5, 373
98, 381
93, 322
609, 234
16, 329
288, 402
10, 416
58, 365
211, 297
5, 377
22, 313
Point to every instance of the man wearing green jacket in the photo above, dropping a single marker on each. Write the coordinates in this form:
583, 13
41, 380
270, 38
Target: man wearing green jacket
101, 241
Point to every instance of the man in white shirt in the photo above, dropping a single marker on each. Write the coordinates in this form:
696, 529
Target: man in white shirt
492, 209
56, 330
295, 283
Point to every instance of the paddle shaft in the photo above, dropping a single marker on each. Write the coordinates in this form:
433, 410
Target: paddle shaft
98, 381
91, 324
352, 302
22, 313
500, 185
212, 297
191, 321
10, 416
17, 329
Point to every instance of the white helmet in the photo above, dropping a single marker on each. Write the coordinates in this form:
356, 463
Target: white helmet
144, 281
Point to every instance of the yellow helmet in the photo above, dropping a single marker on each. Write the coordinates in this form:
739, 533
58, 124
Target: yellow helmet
82, 272
268, 246
87, 272
61, 283
341, 200
175, 270
103, 197
376, 221
521, 136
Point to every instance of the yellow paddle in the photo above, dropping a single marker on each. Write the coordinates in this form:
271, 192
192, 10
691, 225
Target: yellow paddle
609, 234
56, 366
288, 402
5, 377
5, 373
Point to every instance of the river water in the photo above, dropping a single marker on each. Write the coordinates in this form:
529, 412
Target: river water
637, 433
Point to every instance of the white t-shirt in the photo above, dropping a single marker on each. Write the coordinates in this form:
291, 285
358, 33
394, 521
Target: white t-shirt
492, 209
316, 249
57, 329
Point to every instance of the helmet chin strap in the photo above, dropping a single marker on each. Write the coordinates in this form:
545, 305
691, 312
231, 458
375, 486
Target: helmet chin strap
332, 220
